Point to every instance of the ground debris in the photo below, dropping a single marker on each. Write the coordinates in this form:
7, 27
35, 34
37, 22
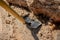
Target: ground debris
48, 8
12, 29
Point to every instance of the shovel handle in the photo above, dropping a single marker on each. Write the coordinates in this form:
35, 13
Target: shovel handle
12, 12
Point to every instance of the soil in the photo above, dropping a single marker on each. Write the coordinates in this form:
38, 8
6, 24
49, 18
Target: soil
12, 29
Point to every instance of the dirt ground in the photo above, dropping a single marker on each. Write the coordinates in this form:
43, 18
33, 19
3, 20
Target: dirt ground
12, 29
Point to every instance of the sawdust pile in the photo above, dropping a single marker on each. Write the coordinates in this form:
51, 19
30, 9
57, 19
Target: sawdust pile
13, 29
